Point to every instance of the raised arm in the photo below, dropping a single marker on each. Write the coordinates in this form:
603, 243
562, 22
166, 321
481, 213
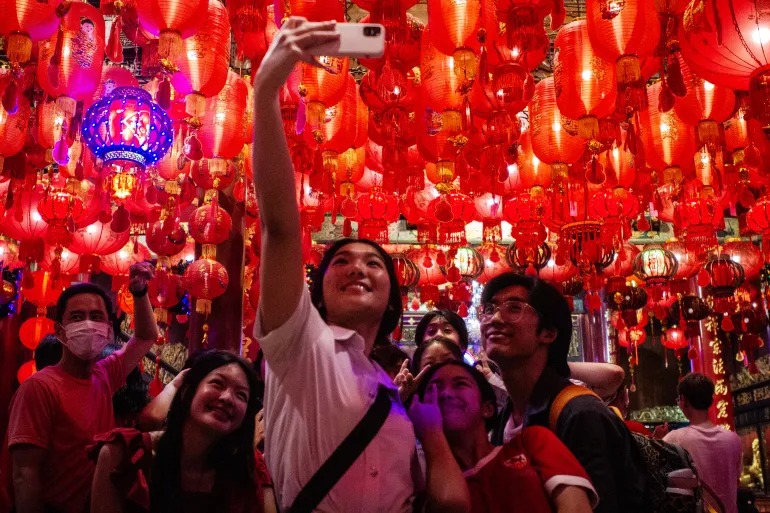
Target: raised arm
153, 416
105, 497
281, 280
146, 329
602, 378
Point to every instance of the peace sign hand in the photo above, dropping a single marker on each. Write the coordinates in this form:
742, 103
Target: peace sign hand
406, 382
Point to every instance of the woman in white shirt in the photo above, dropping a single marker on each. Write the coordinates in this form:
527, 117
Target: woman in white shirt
320, 380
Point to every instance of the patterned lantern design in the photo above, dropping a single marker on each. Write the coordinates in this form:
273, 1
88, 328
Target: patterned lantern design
624, 32
222, 131
746, 254
70, 62
210, 225
655, 266
13, 129
551, 143
407, 273
320, 89
583, 81
59, 260
22, 222
688, 263
118, 264
758, 221
127, 129
376, 209
23, 22
171, 21
205, 280
725, 276
697, 220
495, 263
204, 64
669, 142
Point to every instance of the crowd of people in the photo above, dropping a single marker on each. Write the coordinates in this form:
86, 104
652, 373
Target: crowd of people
345, 420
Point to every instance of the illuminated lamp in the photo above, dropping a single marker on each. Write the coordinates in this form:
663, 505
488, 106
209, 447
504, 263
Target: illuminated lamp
26, 371
725, 276
583, 81
625, 32
627, 300
94, 241
22, 222
746, 254
688, 262
13, 129
205, 280
171, 21
60, 261
376, 209
494, 263
33, 330
127, 129
23, 22
407, 273
465, 263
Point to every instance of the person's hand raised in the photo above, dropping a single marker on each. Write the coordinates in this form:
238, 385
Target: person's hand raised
425, 414
406, 383
292, 44
139, 276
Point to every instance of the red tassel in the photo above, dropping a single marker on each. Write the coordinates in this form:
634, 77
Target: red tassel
674, 78
558, 13
483, 66
121, 220
11, 97
666, 99
114, 46
347, 228
163, 96
727, 324
528, 87
53, 67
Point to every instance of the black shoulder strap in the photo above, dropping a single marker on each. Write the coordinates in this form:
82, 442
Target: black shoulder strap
343, 457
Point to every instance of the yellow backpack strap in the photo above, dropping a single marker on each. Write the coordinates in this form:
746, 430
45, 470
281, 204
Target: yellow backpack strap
567, 394
616, 411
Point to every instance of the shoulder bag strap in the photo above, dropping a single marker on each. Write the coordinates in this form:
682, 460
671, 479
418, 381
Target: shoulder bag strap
566, 394
343, 456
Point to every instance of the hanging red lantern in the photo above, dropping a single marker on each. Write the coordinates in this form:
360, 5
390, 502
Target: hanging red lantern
746, 254
428, 260
625, 32
172, 21
210, 225
632, 337
495, 264
23, 22
94, 241
376, 209
206, 280
222, 131
165, 291
205, 59
166, 239
320, 89
13, 129
44, 289
558, 274
23, 223
26, 371
551, 143
119, 263
688, 262
675, 338
583, 81
33, 330
70, 62
668, 141
58, 261
441, 88
623, 262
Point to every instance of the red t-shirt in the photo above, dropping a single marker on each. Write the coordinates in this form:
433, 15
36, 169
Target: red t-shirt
522, 474
62, 414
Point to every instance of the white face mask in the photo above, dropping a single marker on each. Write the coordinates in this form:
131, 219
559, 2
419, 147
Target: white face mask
86, 339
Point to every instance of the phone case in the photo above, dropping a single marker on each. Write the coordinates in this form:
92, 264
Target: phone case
356, 40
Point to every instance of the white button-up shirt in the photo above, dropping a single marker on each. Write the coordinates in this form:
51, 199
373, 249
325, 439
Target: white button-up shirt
319, 385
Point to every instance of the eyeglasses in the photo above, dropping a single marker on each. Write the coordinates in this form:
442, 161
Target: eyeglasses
511, 310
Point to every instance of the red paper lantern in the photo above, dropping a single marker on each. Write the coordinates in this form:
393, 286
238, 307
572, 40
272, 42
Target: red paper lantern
688, 262
223, 132
428, 262
24, 21
669, 142
213, 173
441, 87
376, 210
23, 223
13, 129
113, 77
60, 260
583, 81
746, 254
79, 45
166, 238
120, 262
551, 143
625, 32
655, 265
493, 255
704, 101
632, 337
210, 224
26, 371
204, 63
205, 280
44, 290
321, 89
94, 241
172, 21
33, 330
675, 338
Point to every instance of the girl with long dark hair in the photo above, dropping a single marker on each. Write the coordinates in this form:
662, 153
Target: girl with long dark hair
204, 461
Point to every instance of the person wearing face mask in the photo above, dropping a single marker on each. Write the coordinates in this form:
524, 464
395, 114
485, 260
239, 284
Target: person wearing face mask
56, 413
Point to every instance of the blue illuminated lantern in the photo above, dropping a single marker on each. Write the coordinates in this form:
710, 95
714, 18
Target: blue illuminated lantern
127, 128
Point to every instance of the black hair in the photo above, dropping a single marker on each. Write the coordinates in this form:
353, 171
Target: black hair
457, 322
85, 288
392, 315
552, 308
698, 390
449, 345
389, 357
48, 352
232, 458
486, 390
86, 20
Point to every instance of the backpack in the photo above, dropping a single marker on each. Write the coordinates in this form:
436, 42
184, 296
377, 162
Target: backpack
663, 462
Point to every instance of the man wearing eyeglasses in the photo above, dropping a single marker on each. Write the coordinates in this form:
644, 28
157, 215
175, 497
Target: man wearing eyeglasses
526, 327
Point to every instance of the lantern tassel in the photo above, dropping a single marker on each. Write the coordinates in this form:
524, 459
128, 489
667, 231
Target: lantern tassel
114, 45
674, 78
11, 97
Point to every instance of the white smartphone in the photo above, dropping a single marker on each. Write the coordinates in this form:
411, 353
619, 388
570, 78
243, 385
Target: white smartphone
356, 40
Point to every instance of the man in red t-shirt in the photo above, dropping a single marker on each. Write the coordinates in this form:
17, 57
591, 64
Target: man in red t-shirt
56, 413
532, 473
